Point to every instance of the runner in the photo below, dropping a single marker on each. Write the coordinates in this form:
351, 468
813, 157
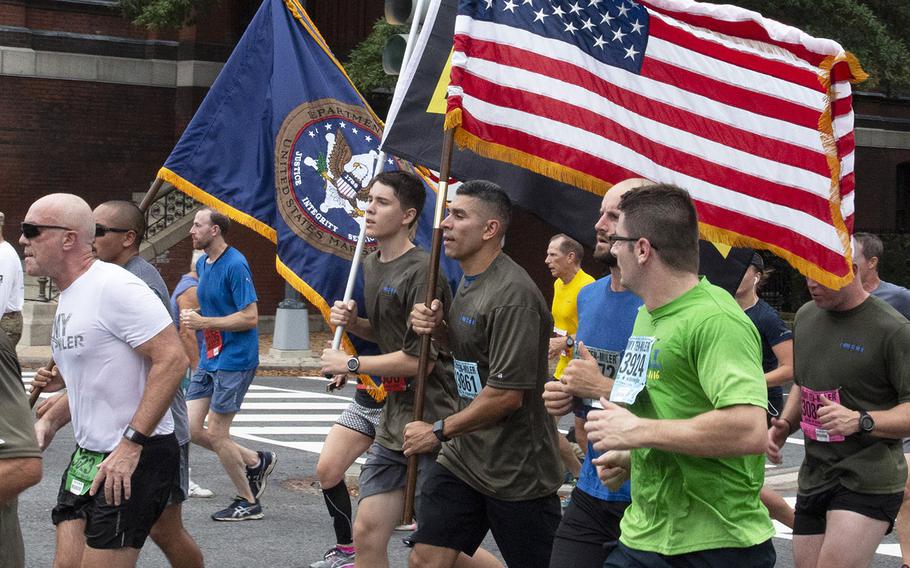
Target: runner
20, 458
868, 254
606, 313
696, 397
852, 401
564, 255
395, 279
499, 466
108, 324
228, 318
184, 298
776, 362
12, 289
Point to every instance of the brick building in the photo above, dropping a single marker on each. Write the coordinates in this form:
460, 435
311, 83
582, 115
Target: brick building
91, 104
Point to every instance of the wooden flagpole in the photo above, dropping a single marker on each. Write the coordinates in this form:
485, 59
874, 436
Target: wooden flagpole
146, 202
432, 277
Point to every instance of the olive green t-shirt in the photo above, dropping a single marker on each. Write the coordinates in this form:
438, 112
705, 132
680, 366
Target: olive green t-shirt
17, 440
499, 331
390, 291
864, 354
706, 356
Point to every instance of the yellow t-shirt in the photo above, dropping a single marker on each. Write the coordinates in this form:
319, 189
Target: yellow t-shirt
565, 311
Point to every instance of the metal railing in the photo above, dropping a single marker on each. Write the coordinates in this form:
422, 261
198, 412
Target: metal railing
169, 207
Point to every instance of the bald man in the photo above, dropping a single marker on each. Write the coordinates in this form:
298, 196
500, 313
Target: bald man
119, 355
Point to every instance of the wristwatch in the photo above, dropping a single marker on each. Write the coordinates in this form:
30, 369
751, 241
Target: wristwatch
570, 341
354, 364
866, 423
134, 436
437, 430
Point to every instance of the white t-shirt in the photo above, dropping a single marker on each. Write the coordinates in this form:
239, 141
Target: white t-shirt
100, 319
12, 288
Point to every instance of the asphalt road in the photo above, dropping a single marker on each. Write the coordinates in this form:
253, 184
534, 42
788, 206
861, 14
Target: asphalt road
291, 417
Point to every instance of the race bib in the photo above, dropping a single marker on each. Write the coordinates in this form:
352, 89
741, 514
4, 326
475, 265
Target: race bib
395, 384
212, 343
562, 333
82, 471
608, 361
633, 370
811, 401
467, 379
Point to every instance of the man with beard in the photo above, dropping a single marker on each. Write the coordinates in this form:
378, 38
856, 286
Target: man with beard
606, 313
228, 318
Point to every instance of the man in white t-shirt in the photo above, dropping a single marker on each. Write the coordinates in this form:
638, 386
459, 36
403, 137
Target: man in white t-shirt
12, 290
121, 360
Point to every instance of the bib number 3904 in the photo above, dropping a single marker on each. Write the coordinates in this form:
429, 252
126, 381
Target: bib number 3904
633, 370
467, 379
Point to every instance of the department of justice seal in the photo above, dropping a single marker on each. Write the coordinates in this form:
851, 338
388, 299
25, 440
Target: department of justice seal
326, 153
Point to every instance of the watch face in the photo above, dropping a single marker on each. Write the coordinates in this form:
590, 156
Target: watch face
353, 364
866, 423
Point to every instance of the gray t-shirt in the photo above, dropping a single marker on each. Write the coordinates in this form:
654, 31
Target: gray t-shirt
897, 296
149, 274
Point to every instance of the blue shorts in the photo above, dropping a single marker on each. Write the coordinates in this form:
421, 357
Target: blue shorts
225, 388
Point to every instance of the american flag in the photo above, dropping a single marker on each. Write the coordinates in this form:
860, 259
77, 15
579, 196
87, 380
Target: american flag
753, 117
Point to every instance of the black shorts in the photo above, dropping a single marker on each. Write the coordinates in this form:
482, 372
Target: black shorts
759, 556
588, 531
454, 515
811, 510
109, 526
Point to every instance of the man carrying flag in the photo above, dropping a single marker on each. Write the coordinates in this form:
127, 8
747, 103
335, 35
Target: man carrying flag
499, 466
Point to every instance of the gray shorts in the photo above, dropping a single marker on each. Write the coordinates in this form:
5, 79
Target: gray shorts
361, 419
387, 470
226, 389
181, 490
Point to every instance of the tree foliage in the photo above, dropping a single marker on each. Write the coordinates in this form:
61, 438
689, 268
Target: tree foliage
876, 31
163, 14
364, 65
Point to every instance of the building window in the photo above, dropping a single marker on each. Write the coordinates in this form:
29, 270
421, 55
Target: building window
902, 206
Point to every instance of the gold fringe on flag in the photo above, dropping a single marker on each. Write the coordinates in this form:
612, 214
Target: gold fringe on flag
495, 151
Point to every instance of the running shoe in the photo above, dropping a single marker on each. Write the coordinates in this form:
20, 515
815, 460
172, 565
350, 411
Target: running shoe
239, 510
258, 476
195, 490
335, 558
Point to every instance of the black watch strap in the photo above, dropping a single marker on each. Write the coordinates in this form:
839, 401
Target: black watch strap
438, 427
135, 436
866, 423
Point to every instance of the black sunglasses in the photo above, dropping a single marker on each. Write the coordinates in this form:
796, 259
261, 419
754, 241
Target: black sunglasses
31, 230
101, 230
613, 239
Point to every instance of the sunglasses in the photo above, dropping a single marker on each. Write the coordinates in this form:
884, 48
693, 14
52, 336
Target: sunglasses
613, 239
101, 230
31, 230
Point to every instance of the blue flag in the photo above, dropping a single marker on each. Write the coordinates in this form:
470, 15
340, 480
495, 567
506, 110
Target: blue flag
284, 144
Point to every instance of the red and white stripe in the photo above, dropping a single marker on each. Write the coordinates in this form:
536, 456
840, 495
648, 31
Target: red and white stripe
727, 105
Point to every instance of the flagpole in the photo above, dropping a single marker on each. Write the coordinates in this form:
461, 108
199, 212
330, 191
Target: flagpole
146, 202
432, 278
355, 264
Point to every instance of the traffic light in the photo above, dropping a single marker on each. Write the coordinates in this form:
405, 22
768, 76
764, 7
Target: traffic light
397, 47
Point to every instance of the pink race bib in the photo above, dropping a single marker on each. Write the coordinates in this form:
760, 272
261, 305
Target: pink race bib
812, 401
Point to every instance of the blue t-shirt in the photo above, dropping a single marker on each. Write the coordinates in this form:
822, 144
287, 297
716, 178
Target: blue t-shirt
773, 331
605, 321
226, 287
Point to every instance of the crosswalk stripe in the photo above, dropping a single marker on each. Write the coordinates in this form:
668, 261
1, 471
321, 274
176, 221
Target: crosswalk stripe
293, 406
286, 417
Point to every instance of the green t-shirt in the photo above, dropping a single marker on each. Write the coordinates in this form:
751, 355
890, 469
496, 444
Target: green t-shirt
707, 356
17, 440
390, 291
499, 332
865, 354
